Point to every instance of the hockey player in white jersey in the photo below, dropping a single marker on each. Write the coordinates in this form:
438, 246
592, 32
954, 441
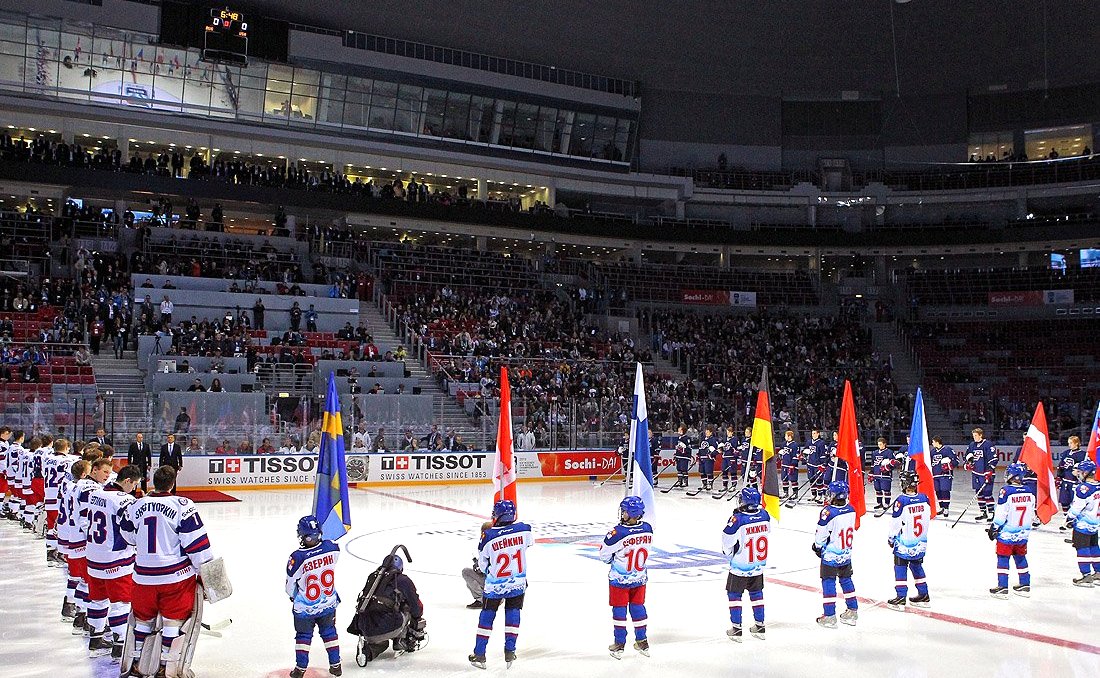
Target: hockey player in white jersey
1013, 516
908, 537
836, 529
171, 545
745, 545
311, 585
110, 560
63, 532
502, 556
5, 437
626, 547
55, 467
14, 476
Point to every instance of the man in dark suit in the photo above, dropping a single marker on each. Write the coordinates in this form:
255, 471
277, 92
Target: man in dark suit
140, 455
171, 454
102, 438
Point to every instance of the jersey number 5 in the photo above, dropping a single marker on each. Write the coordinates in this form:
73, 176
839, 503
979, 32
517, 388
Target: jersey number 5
504, 564
918, 525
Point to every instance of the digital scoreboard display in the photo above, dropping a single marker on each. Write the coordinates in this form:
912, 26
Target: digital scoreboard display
226, 37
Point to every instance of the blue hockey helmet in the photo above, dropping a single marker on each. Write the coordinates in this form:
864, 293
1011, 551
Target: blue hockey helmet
504, 511
839, 489
309, 529
750, 496
394, 562
632, 507
1086, 467
1015, 470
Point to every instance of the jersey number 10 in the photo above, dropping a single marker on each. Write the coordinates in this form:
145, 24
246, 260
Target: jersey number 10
636, 559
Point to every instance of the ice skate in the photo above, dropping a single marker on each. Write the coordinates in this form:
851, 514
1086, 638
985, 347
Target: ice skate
849, 617
616, 650
477, 660
642, 646
509, 657
735, 632
827, 620
1021, 590
297, 672
1084, 581
757, 631
896, 603
921, 601
999, 592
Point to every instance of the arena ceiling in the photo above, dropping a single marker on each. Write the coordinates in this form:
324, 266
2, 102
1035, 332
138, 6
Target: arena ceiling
797, 48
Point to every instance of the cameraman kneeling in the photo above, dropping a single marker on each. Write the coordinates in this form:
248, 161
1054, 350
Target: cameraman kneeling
393, 612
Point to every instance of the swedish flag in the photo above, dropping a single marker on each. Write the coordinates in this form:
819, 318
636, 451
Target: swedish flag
330, 497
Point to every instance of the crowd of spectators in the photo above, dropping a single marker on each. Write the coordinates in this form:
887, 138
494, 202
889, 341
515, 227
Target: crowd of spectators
808, 359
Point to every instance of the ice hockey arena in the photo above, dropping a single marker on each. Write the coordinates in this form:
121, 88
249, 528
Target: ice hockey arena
547, 339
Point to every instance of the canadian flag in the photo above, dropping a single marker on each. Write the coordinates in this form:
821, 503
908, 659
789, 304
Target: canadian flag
1036, 454
504, 470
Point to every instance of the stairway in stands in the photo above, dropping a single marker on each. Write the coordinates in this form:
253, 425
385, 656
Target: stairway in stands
122, 386
447, 410
908, 376
117, 377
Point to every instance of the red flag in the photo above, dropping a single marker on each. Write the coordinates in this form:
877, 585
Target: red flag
504, 470
1036, 454
1094, 437
848, 449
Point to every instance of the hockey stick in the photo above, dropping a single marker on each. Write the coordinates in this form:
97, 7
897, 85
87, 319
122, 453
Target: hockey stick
664, 467
675, 485
613, 474
217, 626
967, 507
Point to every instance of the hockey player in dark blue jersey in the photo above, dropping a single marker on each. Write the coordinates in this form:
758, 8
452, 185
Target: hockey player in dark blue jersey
682, 455
908, 537
838, 468
708, 453
626, 547
882, 474
624, 457
729, 458
1065, 476
817, 457
751, 460
788, 457
944, 461
655, 455
981, 460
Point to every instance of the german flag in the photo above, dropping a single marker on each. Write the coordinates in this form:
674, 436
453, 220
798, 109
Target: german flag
762, 440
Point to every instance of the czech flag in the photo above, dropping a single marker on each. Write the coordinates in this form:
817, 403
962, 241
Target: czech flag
920, 451
330, 498
641, 470
763, 440
848, 449
504, 469
1037, 455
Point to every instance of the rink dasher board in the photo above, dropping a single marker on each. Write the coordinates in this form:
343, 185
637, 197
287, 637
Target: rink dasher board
279, 471
276, 471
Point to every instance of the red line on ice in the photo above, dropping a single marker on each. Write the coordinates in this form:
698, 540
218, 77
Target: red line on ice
441, 507
939, 616
961, 621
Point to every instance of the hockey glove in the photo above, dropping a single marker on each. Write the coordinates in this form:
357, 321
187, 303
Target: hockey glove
891, 541
818, 550
992, 532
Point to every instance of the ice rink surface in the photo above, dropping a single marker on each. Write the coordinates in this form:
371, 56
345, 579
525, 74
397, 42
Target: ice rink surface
566, 624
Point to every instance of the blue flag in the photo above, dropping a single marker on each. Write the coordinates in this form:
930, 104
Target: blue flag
330, 497
642, 471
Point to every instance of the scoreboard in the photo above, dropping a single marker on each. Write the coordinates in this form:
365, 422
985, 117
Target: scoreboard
226, 37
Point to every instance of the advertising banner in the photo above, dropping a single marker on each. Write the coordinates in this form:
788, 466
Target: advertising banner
705, 297
743, 299
1058, 297
1031, 298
